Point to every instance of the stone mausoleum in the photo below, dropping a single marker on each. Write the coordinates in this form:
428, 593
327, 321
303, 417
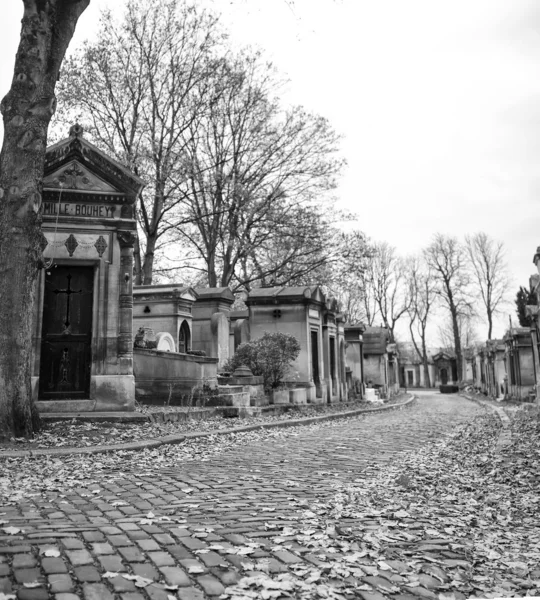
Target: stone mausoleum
83, 339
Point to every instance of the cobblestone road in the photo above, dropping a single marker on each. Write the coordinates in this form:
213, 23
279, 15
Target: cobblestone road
71, 539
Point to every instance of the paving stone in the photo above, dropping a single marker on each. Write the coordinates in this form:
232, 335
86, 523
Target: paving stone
145, 570
14, 549
60, 582
132, 596
190, 593
111, 563
5, 585
287, 557
120, 584
73, 544
164, 539
32, 594
175, 576
132, 554
148, 545
79, 557
211, 585
23, 561
179, 552
156, 592
4, 570
96, 591
212, 559
27, 575
93, 536
107, 530
102, 548
129, 527
120, 540
161, 559
193, 543
53, 565
87, 574
67, 596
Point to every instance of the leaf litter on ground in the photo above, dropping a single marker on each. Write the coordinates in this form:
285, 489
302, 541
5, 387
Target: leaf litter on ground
76, 434
457, 519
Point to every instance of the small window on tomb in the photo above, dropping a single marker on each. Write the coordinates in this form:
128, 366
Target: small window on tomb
184, 338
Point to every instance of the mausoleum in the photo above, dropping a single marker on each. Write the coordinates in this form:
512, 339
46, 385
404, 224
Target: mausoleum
83, 342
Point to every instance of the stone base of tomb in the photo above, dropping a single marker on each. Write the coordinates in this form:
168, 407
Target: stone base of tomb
107, 393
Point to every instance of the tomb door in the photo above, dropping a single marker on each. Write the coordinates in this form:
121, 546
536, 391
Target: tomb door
66, 334
410, 378
444, 376
315, 357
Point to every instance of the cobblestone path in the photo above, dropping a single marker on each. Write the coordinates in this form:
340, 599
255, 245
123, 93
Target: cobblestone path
155, 526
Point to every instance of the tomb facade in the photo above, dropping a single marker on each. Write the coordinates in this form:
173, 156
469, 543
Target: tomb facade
83, 340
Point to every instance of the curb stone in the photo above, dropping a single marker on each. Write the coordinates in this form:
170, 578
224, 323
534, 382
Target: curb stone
179, 438
505, 437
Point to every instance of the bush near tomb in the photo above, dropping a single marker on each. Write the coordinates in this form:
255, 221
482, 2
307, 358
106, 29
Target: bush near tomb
270, 356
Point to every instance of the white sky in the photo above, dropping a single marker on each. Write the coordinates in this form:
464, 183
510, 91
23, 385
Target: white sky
438, 102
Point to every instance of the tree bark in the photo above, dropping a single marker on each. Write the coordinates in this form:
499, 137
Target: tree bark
47, 29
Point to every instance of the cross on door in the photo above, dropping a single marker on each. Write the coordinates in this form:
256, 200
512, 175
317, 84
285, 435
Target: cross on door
68, 291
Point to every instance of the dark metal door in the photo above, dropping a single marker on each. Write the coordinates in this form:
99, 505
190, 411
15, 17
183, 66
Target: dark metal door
66, 337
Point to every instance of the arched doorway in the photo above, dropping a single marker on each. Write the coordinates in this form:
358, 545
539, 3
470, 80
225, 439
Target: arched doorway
184, 338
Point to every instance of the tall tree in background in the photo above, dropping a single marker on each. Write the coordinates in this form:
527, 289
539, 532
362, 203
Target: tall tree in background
255, 175
47, 29
344, 278
422, 293
385, 281
447, 259
489, 273
139, 88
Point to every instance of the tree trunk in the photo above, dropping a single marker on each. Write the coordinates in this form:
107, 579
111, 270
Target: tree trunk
425, 362
148, 264
138, 276
457, 344
47, 29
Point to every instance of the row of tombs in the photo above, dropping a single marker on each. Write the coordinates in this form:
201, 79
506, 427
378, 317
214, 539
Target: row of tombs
101, 343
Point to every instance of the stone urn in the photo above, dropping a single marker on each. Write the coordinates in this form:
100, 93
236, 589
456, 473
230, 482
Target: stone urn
242, 371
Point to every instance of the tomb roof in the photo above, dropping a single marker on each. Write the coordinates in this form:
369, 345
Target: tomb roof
219, 292
313, 293
77, 149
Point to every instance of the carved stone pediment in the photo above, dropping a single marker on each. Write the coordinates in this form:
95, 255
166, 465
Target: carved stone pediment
75, 176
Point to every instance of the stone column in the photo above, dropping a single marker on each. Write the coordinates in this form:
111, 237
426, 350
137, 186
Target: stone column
126, 239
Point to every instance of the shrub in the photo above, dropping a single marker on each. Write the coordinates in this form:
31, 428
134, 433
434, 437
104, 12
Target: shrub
270, 356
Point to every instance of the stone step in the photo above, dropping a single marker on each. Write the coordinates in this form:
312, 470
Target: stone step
102, 417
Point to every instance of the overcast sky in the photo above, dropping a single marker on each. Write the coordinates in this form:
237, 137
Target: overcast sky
438, 102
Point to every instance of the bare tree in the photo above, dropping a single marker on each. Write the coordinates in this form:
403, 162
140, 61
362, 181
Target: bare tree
254, 174
422, 293
447, 259
467, 332
345, 279
385, 281
139, 88
47, 29
489, 273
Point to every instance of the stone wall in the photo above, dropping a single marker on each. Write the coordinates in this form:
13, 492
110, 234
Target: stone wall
162, 377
